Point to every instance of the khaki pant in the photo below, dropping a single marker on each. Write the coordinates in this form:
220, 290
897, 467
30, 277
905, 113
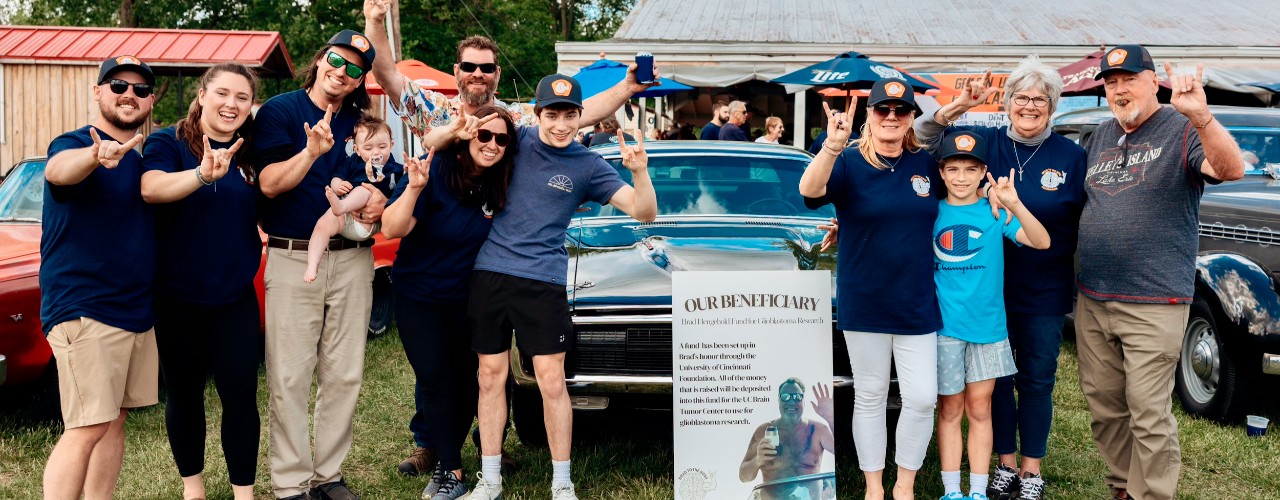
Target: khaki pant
1128, 353
314, 328
102, 369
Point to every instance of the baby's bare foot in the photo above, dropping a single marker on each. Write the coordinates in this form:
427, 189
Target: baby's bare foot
333, 201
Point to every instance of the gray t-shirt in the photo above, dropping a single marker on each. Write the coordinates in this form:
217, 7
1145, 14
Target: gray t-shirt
547, 187
1138, 231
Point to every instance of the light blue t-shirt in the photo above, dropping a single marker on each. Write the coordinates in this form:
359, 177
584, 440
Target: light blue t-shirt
547, 186
968, 258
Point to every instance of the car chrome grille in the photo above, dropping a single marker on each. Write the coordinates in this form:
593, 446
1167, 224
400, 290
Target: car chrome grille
1218, 231
647, 351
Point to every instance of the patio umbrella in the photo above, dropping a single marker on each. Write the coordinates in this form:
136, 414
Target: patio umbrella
603, 74
426, 77
848, 71
1274, 87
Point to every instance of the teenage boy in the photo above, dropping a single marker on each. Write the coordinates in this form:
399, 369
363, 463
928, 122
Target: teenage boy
973, 345
519, 275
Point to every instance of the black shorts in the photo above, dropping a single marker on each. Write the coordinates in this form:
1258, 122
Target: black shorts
538, 312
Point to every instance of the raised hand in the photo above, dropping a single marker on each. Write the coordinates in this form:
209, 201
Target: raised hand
465, 126
419, 171
1002, 189
636, 87
110, 152
320, 137
833, 234
1188, 95
375, 11
974, 94
839, 124
824, 404
633, 155
217, 162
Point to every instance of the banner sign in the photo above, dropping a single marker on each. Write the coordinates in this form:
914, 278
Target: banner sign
988, 114
751, 383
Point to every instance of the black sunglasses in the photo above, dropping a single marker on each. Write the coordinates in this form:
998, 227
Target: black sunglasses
883, 110
499, 138
119, 87
353, 70
486, 68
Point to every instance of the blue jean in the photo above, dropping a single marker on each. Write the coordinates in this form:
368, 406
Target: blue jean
1036, 341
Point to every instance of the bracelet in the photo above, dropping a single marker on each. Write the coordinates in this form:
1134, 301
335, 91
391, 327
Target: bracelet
1206, 123
201, 178
831, 150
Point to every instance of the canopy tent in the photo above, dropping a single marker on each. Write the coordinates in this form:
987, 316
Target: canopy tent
425, 76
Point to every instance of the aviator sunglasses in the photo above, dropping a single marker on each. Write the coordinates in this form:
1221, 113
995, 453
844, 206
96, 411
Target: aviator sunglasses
486, 68
353, 70
883, 110
119, 87
499, 138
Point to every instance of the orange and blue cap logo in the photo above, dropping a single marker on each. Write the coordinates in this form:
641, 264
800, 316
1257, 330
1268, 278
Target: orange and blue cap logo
1117, 56
360, 42
562, 88
895, 89
965, 143
127, 60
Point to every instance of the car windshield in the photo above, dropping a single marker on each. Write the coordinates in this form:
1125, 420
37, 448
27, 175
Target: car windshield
22, 193
1260, 148
722, 185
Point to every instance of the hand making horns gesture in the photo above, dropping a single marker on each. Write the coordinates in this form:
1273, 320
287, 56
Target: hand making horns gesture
110, 152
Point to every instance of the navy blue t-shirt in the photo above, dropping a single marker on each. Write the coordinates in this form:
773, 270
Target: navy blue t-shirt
207, 244
278, 135
885, 277
434, 261
731, 132
353, 172
98, 247
1051, 186
710, 132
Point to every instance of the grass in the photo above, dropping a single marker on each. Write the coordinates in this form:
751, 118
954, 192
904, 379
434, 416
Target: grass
624, 456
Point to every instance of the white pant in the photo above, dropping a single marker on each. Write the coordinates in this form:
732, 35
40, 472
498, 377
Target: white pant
916, 357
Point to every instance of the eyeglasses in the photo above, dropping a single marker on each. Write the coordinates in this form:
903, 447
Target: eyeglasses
119, 87
499, 138
790, 397
470, 67
353, 70
883, 110
1022, 100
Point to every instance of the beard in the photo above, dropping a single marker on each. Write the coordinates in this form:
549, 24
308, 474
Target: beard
113, 117
475, 99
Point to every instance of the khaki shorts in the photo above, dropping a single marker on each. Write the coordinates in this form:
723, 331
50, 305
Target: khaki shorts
102, 369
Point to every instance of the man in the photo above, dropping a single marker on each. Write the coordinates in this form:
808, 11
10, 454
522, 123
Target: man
732, 131
519, 276
719, 116
98, 257
794, 446
316, 327
1138, 242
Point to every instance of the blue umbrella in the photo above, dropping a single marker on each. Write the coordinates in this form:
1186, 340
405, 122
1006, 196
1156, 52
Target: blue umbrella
603, 74
1274, 87
850, 70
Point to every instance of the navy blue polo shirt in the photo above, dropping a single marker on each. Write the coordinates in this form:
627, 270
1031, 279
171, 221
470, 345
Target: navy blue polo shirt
710, 132
207, 244
97, 249
278, 136
353, 172
434, 261
885, 277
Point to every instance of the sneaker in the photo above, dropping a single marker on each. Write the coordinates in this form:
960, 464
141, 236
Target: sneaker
1032, 488
437, 477
1119, 494
450, 488
336, 490
563, 492
485, 490
1004, 483
955, 495
419, 461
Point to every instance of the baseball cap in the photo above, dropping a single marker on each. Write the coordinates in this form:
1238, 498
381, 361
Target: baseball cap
1131, 58
892, 89
963, 143
125, 63
558, 89
356, 41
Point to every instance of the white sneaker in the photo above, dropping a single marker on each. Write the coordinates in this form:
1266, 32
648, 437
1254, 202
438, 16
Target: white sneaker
485, 490
563, 492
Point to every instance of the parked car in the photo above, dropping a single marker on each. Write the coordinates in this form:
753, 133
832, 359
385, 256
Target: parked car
1232, 342
25, 356
722, 206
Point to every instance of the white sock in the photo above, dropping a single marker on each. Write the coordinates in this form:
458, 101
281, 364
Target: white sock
977, 483
951, 482
560, 473
491, 466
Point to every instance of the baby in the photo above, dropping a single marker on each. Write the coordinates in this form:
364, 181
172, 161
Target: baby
372, 164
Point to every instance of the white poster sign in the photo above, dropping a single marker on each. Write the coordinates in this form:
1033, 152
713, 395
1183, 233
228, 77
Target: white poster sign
753, 408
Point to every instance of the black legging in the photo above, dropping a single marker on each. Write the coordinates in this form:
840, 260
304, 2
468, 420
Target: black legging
437, 341
194, 340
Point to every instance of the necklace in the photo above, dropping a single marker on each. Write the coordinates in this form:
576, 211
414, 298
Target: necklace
893, 164
1022, 164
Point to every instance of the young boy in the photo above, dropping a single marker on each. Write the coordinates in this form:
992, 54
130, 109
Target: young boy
973, 345
372, 164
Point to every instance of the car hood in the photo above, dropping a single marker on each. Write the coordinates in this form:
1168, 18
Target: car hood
1253, 191
19, 250
626, 262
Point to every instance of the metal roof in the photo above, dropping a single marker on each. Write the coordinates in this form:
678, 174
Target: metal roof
166, 51
957, 22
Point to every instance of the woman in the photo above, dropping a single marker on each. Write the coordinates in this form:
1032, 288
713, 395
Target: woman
887, 305
208, 252
1049, 172
443, 212
773, 130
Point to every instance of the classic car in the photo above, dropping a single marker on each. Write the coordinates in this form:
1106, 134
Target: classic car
24, 354
722, 206
1232, 341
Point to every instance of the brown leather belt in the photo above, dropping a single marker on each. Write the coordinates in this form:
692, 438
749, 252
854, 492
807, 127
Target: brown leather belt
301, 245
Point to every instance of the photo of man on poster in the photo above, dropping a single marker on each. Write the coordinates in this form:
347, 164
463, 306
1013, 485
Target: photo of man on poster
791, 445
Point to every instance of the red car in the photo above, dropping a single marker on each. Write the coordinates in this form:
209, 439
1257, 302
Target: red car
24, 353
